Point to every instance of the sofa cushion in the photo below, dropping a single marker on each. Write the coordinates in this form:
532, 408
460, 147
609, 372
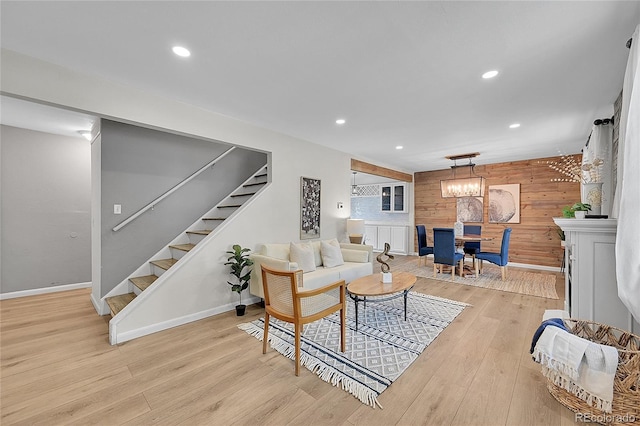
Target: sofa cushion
358, 256
279, 251
302, 254
351, 270
320, 277
331, 254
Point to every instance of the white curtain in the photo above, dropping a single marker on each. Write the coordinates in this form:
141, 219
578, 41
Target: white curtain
597, 155
627, 200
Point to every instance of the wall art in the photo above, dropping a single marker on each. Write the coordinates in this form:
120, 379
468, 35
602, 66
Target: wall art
504, 203
470, 209
309, 208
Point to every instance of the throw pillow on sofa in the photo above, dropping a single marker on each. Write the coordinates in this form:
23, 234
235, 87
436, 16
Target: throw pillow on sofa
302, 254
359, 256
331, 254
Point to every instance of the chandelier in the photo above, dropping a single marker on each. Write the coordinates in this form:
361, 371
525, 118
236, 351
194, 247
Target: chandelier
471, 186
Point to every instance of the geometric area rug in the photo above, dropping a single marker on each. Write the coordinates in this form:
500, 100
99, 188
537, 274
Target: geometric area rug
377, 354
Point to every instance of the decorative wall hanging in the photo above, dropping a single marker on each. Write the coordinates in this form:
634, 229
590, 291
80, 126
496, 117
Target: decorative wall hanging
470, 209
504, 203
309, 208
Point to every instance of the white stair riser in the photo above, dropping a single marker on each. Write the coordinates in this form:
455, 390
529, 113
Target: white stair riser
157, 271
177, 254
196, 238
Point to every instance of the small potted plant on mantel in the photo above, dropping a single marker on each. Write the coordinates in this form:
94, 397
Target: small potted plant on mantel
578, 210
241, 271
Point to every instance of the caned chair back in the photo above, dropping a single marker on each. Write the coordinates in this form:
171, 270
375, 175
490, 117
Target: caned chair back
279, 289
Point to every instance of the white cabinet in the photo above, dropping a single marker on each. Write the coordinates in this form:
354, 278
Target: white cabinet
393, 198
591, 290
371, 236
395, 235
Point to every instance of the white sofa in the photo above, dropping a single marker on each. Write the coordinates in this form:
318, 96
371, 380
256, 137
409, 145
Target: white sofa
358, 262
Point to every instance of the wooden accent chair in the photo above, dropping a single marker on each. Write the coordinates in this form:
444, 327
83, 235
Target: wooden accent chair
501, 259
423, 249
444, 251
286, 300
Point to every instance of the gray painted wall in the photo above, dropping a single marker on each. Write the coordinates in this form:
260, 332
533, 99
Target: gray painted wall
46, 219
139, 165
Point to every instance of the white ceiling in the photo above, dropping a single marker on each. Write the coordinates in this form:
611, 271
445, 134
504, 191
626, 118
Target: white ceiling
400, 73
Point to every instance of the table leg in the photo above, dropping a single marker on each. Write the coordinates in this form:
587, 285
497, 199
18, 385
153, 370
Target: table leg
405, 304
355, 301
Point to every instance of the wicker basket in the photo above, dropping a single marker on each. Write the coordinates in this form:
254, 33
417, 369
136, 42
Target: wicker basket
626, 384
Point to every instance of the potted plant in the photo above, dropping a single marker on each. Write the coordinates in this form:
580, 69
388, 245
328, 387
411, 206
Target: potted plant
579, 208
240, 263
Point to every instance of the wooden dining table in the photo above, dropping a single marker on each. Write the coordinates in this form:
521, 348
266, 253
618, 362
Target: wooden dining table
460, 240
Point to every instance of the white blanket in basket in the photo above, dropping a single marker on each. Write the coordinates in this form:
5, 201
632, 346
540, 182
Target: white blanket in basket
584, 368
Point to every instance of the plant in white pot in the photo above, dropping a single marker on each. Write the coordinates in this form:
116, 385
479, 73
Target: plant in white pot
580, 210
241, 271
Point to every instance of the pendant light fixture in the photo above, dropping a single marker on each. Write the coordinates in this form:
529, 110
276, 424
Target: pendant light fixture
471, 186
354, 187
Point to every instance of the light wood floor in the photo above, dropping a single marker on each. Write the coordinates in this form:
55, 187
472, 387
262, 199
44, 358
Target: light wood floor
58, 368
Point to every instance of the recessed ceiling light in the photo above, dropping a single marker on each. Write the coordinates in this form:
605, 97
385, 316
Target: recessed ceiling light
490, 74
341, 121
514, 126
181, 51
399, 147
86, 134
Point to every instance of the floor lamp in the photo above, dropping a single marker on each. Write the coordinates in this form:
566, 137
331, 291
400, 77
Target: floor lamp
355, 229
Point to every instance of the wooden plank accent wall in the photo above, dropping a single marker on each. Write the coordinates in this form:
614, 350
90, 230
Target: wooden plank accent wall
535, 239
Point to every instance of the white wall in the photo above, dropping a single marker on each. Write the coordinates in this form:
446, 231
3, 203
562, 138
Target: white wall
274, 217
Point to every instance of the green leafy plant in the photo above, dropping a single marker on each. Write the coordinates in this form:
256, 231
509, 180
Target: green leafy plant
581, 207
570, 211
240, 269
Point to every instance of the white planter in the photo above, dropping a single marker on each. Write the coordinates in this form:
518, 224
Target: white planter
580, 214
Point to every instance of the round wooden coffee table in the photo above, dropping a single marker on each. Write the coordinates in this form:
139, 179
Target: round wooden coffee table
372, 285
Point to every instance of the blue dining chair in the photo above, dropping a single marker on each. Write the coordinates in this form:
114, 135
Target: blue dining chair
501, 259
444, 251
472, 247
423, 249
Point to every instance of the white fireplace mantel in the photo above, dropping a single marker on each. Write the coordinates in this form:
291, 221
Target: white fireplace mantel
591, 290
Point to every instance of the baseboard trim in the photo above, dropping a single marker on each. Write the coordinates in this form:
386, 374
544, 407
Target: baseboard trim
44, 290
117, 338
538, 267
99, 305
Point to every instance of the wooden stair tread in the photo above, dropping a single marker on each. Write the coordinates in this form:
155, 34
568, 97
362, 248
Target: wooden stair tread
229, 206
143, 282
214, 218
260, 175
244, 195
183, 247
253, 184
164, 263
200, 232
117, 303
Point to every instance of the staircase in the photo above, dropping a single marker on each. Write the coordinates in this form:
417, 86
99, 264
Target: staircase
144, 277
